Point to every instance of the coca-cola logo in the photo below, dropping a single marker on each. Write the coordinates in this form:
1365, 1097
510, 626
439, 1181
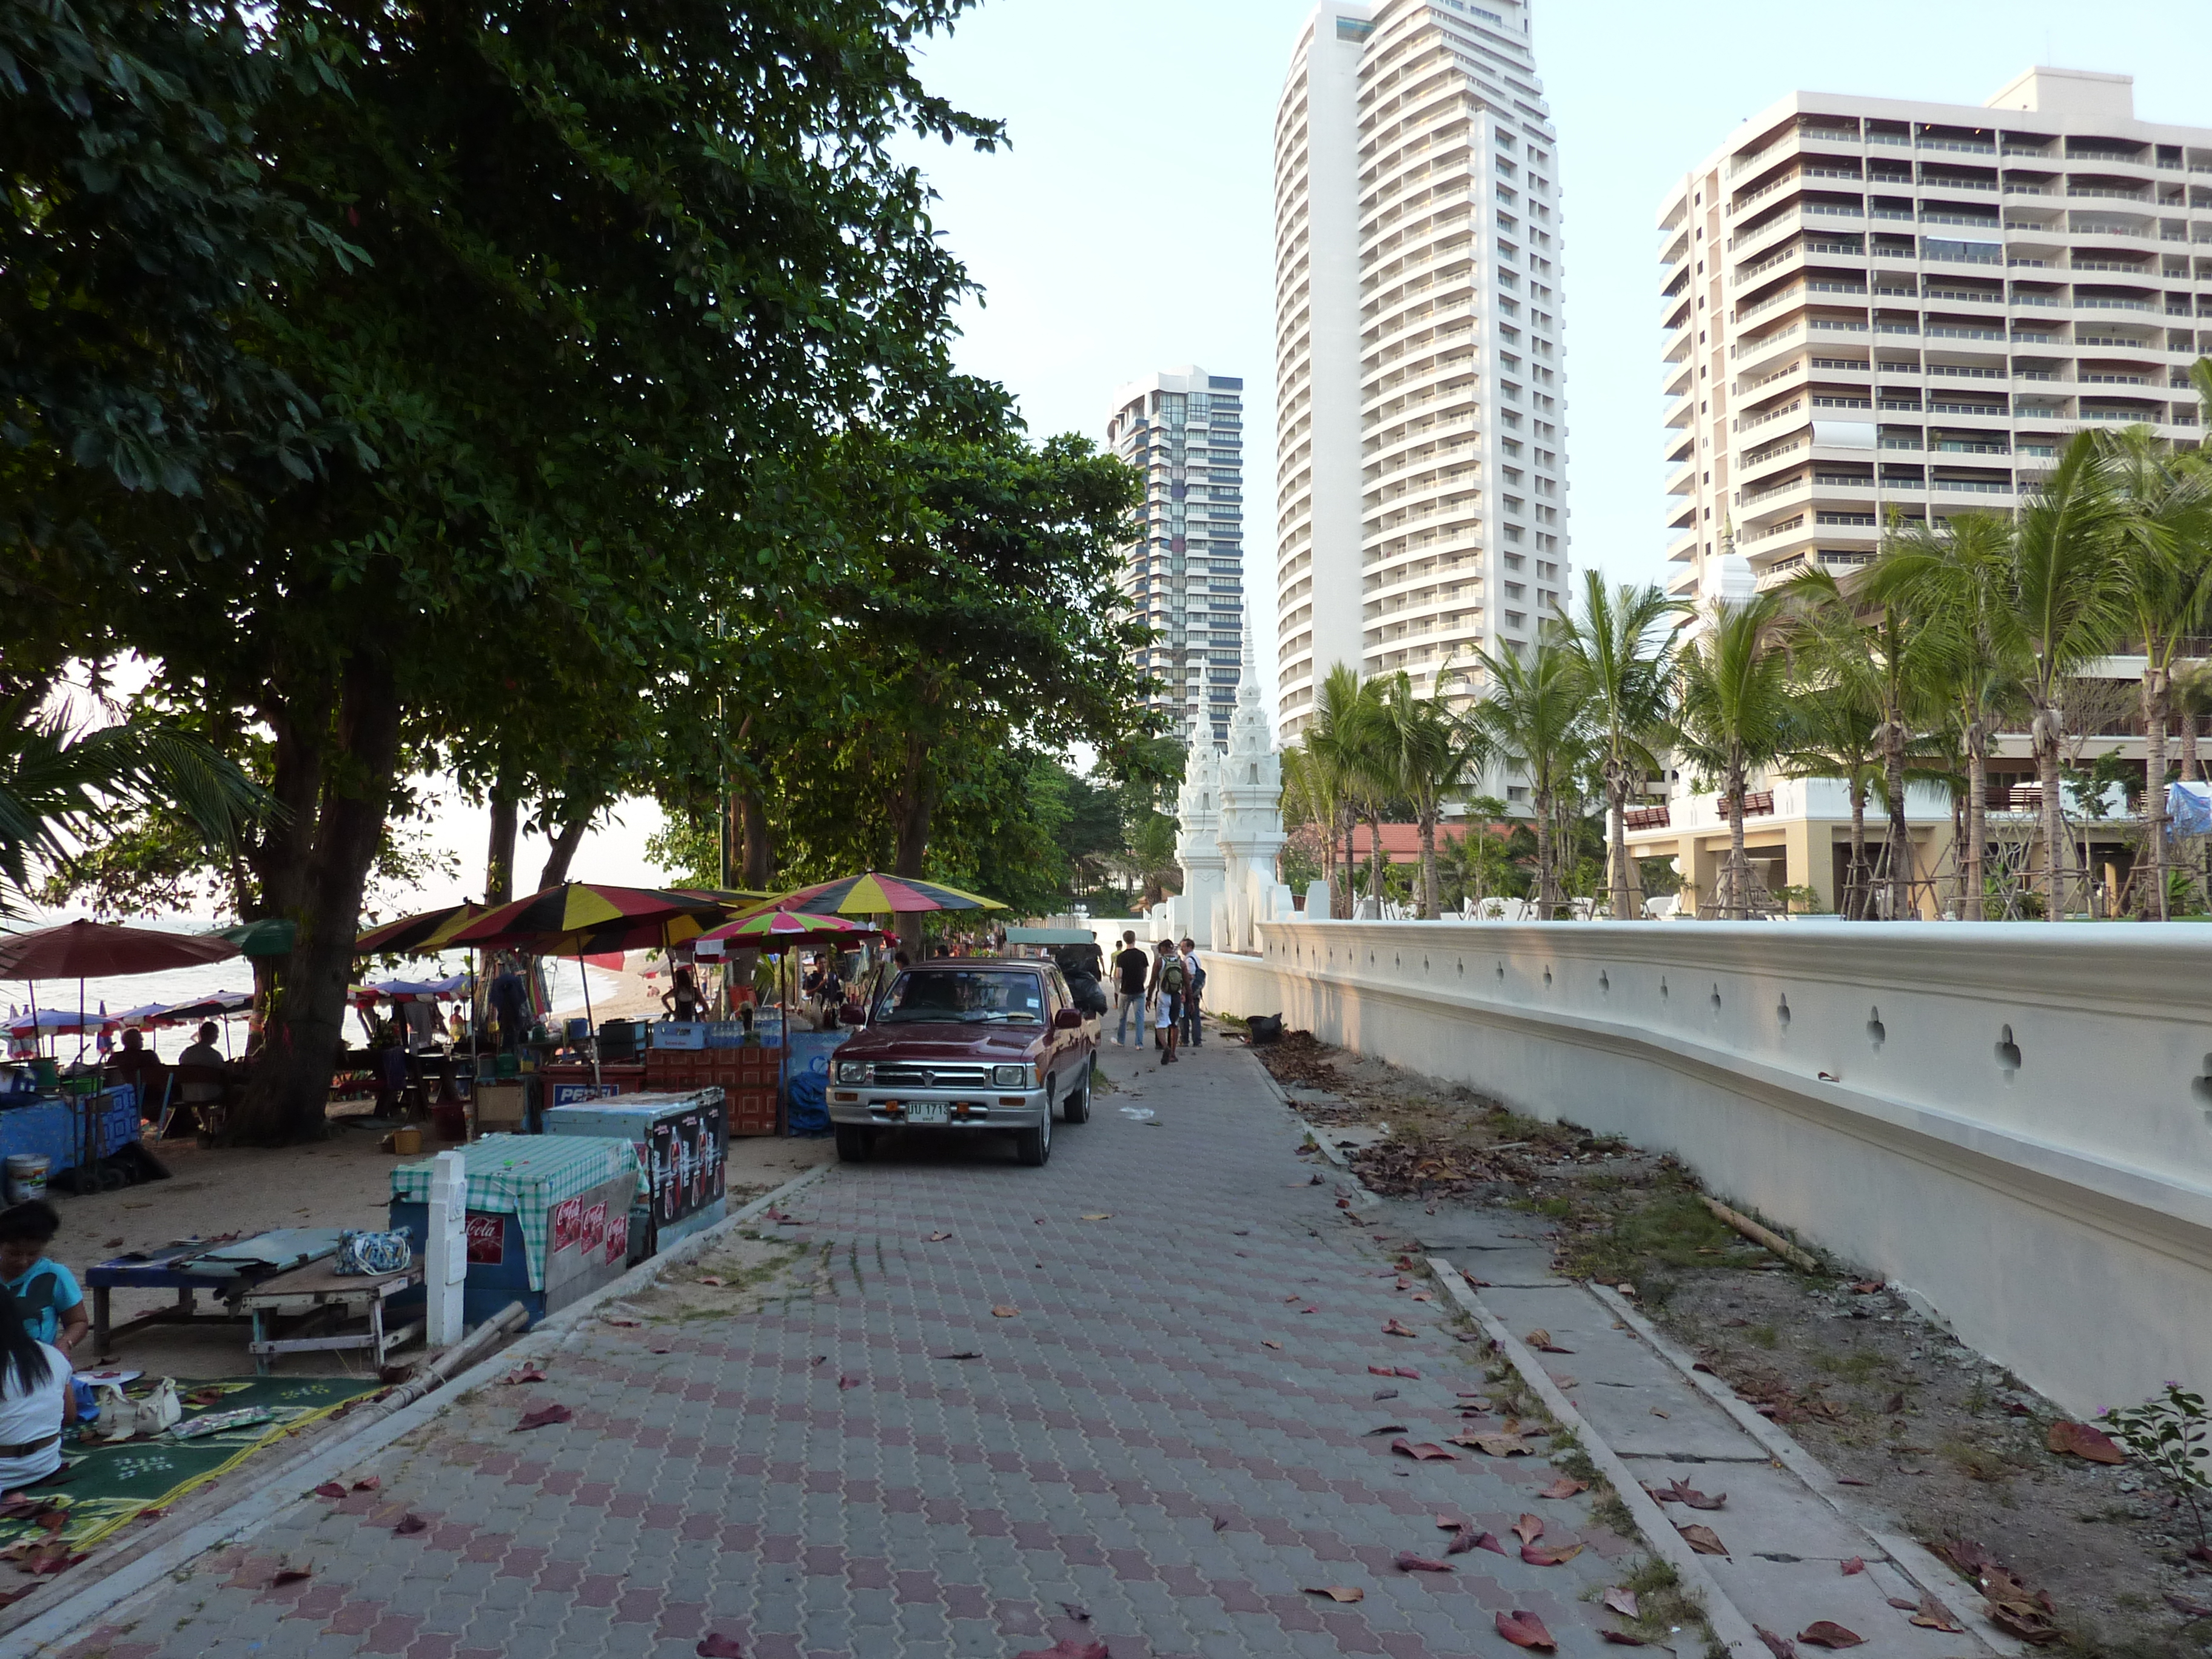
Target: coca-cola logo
487, 1238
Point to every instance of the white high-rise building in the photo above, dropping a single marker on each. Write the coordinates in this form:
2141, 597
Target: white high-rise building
1184, 430
1876, 307
1420, 447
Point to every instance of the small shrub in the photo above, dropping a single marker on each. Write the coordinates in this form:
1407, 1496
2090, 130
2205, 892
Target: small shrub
2166, 1436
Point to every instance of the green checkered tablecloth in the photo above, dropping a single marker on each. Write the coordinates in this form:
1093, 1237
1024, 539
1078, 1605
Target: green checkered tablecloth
525, 1177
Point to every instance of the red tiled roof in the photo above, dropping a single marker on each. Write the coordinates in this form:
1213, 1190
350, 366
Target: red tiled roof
1402, 842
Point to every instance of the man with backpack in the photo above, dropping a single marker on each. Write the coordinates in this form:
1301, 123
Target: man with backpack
1170, 979
1194, 985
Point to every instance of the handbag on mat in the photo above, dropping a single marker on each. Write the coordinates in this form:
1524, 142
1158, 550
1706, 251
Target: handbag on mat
361, 1254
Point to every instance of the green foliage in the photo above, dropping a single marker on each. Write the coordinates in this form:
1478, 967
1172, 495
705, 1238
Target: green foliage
2167, 1437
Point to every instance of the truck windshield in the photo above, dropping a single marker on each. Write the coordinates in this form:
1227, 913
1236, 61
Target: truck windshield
964, 996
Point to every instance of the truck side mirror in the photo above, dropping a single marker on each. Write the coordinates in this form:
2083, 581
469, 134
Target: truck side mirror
1067, 1019
852, 1014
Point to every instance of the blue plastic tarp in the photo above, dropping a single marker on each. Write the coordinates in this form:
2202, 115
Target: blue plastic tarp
2189, 808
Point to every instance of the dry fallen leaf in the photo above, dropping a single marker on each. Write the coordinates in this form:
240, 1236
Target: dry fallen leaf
1542, 1342
293, 1575
2083, 1440
1393, 1327
1465, 1540
1003, 1311
1068, 1647
1565, 1486
1854, 1566
1932, 1614
965, 1353
1780, 1646
1826, 1633
1526, 1630
1387, 1428
369, 1483
1529, 1528
1497, 1443
1264, 1343
1426, 1451
1703, 1540
1621, 1638
329, 1489
410, 1524
1338, 1592
715, 1645
1622, 1601
709, 1279
1386, 1393
1678, 1492
1550, 1555
1409, 1562
1103, 1215
1406, 1371
937, 1238
544, 1417
2187, 1608
524, 1374
849, 1381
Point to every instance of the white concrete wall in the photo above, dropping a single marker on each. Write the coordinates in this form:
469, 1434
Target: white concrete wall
2012, 1121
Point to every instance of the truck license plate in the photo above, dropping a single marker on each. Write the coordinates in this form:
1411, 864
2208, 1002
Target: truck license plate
926, 1111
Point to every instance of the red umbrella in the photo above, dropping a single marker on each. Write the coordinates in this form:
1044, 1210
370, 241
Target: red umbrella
95, 950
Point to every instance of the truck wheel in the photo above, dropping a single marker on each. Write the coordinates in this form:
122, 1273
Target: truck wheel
1034, 1146
1076, 1108
856, 1143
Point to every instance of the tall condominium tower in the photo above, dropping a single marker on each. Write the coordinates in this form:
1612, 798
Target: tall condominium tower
1420, 385
1875, 308
1184, 430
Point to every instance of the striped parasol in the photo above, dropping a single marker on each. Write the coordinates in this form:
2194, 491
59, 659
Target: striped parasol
778, 930
421, 935
872, 893
561, 918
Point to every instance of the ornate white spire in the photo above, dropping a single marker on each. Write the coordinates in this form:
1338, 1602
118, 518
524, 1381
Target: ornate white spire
1248, 727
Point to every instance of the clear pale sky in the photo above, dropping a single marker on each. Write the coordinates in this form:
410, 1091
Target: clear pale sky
1129, 226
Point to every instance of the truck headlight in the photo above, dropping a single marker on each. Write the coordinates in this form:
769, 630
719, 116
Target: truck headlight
855, 1071
1014, 1077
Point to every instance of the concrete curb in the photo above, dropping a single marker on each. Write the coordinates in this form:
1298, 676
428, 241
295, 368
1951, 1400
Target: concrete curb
1918, 1564
1729, 1627
244, 1511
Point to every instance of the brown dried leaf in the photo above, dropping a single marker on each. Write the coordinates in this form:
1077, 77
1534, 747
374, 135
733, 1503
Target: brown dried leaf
936, 1238
1005, 1311
1853, 1567
1409, 1562
544, 1417
1540, 1341
1526, 1630
1529, 1528
1393, 1328
2187, 1608
1549, 1555
711, 1278
1465, 1540
1425, 1451
1338, 1592
1932, 1614
1703, 1540
1068, 1647
369, 1483
1622, 1601
1388, 1428
1780, 1646
1406, 1371
524, 1374
1678, 1492
1828, 1633
329, 1489
293, 1575
2083, 1440
410, 1524
1621, 1638
1267, 1343
715, 1645
1501, 1443
1565, 1486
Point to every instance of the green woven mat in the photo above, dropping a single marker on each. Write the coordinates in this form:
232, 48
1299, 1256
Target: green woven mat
106, 1487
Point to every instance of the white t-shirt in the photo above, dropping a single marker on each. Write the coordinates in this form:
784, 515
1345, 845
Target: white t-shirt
26, 1416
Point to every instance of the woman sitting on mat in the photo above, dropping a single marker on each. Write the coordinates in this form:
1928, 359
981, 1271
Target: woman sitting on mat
35, 1401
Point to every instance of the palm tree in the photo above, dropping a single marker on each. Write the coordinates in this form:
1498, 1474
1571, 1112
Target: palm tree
1341, 742
1309, 792
1833, 737
1532, 719
2166, 556
2065, 604
2191, 697
1622, 650
1430, 752
58, 784
1733, 714
1956, 583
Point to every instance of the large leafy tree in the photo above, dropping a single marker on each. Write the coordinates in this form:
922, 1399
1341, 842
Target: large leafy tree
620, 277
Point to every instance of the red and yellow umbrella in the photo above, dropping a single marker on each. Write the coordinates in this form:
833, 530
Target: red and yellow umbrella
778, 930
872, 893
421, 935
557, 919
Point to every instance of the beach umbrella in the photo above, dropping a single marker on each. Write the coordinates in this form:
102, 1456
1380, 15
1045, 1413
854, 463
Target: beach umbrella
421, 935
215, 1004
149, 1013
271, 936
550, 922
417, 990
97, 950
777, 930
872, 893
59, 1022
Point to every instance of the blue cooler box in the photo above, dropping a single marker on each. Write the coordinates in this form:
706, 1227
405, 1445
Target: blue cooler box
682, 1139
548, 1219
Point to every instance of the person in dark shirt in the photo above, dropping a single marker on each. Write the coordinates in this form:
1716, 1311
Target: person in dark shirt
510, 1002
1132, 967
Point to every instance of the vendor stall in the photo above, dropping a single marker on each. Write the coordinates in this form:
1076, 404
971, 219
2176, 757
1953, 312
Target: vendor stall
683, 1140
548, 1219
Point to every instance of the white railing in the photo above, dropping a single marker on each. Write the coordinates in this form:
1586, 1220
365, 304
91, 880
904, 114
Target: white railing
2007, 1118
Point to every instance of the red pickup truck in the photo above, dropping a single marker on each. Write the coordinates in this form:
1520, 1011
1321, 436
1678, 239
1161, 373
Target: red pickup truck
966, 1045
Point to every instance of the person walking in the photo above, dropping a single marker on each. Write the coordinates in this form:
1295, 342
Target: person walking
1130, 967
1194, 983
1168, 982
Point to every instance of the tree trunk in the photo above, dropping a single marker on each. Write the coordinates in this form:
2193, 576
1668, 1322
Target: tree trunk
1616, 810
1857, 883
499, 858
759, 842
1978, 808
912, 804
285, 1102
1430, 908
1350, 861
2190, 771
562, 852
2044, 734
2154, 699
1544, 884
1375, 860
1900, 839
1738, 880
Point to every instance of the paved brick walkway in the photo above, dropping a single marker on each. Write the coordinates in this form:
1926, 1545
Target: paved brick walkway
1127, 1443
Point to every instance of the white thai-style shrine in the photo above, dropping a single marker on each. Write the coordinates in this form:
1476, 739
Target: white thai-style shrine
1230, 828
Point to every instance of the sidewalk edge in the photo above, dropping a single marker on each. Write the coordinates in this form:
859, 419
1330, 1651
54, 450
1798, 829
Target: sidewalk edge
1729, 1627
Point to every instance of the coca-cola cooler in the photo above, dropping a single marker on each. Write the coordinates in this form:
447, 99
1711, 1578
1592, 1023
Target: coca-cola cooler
549, 1219
682, 1141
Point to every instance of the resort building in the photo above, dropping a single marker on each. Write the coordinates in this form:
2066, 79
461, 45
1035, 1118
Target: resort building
1420, 379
